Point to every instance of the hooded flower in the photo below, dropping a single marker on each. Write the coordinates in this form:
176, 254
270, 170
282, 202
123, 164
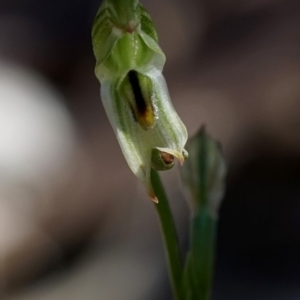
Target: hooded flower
133, 90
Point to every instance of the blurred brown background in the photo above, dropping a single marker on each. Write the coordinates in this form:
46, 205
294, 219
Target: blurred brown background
74, 222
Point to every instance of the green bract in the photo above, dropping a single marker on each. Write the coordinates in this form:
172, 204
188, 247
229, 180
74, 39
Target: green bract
204, 174
133, 90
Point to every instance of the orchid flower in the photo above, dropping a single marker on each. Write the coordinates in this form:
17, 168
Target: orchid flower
133, 90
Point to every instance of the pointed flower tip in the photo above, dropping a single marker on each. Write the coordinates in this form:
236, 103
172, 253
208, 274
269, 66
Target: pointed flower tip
151, 192
181, 159
154, 199
152, 196
181, 156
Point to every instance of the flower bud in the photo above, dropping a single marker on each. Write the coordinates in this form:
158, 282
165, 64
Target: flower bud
203, 175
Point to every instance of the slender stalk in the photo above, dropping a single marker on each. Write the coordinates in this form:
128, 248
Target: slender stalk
169, 236
202, 254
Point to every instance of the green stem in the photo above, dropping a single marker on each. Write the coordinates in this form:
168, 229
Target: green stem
202, 254
169, 235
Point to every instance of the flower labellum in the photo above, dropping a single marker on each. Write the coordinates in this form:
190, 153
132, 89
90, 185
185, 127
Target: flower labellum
133, 90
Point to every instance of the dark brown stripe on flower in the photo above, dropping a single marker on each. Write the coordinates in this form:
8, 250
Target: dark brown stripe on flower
140, 102
138, 90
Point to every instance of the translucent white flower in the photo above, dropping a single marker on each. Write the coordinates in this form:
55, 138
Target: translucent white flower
134, 92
